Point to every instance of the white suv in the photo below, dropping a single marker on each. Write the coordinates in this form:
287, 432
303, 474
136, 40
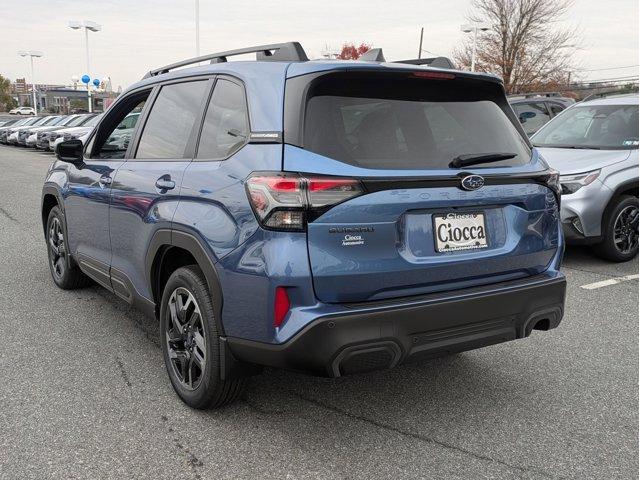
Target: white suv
22, 111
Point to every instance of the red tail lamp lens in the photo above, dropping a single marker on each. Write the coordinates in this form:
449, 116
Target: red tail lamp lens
282, 200
318, 185
282, 306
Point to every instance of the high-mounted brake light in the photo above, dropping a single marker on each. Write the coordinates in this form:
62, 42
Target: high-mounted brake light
282, 201
434, 75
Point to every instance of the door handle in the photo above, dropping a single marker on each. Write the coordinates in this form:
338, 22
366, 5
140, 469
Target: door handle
165, 183
105, 180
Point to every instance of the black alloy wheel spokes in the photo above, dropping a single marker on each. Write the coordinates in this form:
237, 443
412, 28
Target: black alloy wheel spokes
626, 236
57, 248
186, 339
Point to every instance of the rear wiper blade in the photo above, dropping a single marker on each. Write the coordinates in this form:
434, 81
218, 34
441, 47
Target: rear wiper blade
477, 158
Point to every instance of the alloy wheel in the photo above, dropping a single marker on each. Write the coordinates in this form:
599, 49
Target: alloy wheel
185, 338
57, 248
626, 237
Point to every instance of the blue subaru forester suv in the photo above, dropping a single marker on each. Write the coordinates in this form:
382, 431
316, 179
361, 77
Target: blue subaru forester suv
329, 217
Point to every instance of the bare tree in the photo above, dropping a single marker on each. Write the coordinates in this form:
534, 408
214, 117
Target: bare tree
524, 44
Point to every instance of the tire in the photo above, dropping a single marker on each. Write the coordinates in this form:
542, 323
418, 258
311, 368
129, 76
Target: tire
190, 339
64, 271
623, 245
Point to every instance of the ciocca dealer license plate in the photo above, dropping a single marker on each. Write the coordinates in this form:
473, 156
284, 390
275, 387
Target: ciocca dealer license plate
459, 231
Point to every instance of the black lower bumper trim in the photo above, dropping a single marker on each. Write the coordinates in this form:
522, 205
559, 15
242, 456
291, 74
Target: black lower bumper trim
574, 237
360, 341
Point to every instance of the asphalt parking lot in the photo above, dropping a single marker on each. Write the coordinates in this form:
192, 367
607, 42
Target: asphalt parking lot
84, 394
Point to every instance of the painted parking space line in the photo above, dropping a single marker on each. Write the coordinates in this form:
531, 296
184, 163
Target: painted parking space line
610, 281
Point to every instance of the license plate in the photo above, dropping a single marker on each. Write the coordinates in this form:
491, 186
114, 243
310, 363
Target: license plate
459, 231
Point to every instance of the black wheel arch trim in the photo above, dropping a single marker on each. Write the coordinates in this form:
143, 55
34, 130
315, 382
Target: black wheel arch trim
160, 243
50, 189
622, 189
54, 190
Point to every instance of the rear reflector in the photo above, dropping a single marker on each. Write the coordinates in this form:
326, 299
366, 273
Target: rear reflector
282, 306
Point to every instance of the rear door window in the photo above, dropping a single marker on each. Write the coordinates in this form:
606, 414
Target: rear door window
407, 124
171, 120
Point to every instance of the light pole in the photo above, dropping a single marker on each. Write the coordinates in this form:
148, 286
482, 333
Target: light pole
474, 28
197, 28
94, 27
31, 54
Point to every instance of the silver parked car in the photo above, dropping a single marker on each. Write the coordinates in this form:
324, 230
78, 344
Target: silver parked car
595, 147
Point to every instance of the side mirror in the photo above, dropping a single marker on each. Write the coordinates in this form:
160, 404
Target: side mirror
70, 151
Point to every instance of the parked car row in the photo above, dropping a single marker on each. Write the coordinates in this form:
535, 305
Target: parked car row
46, 132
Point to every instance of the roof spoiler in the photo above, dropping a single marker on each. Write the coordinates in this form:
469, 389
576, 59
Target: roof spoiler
277, 52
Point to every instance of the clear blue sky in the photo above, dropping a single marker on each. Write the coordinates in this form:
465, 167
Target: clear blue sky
139, 35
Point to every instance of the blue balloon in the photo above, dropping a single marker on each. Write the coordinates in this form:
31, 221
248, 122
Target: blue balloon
96, 82
85, 79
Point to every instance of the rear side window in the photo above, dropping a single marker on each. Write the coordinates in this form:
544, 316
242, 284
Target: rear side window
168, 128
532, 116
408, 123
226, 126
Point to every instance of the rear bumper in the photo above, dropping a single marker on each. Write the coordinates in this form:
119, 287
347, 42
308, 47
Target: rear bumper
383, 334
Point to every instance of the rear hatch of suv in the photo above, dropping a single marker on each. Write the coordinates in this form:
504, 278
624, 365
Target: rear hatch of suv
436, 188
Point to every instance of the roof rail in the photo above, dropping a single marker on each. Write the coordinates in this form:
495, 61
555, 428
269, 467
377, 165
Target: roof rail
535, 94
372, 55
611, 92
277, 52
435, 62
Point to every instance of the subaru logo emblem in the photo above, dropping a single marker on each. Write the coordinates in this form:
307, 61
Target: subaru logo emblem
472, 182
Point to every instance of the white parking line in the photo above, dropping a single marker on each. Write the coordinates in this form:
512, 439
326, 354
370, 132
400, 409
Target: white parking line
609, 282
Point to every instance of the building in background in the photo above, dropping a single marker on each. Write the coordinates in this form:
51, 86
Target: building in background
21, 92
70, 100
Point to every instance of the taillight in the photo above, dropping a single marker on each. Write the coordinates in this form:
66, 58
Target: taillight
285, 201
552, 180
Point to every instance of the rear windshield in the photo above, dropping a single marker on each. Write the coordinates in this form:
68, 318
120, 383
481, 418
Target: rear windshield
408, 123
609, 127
